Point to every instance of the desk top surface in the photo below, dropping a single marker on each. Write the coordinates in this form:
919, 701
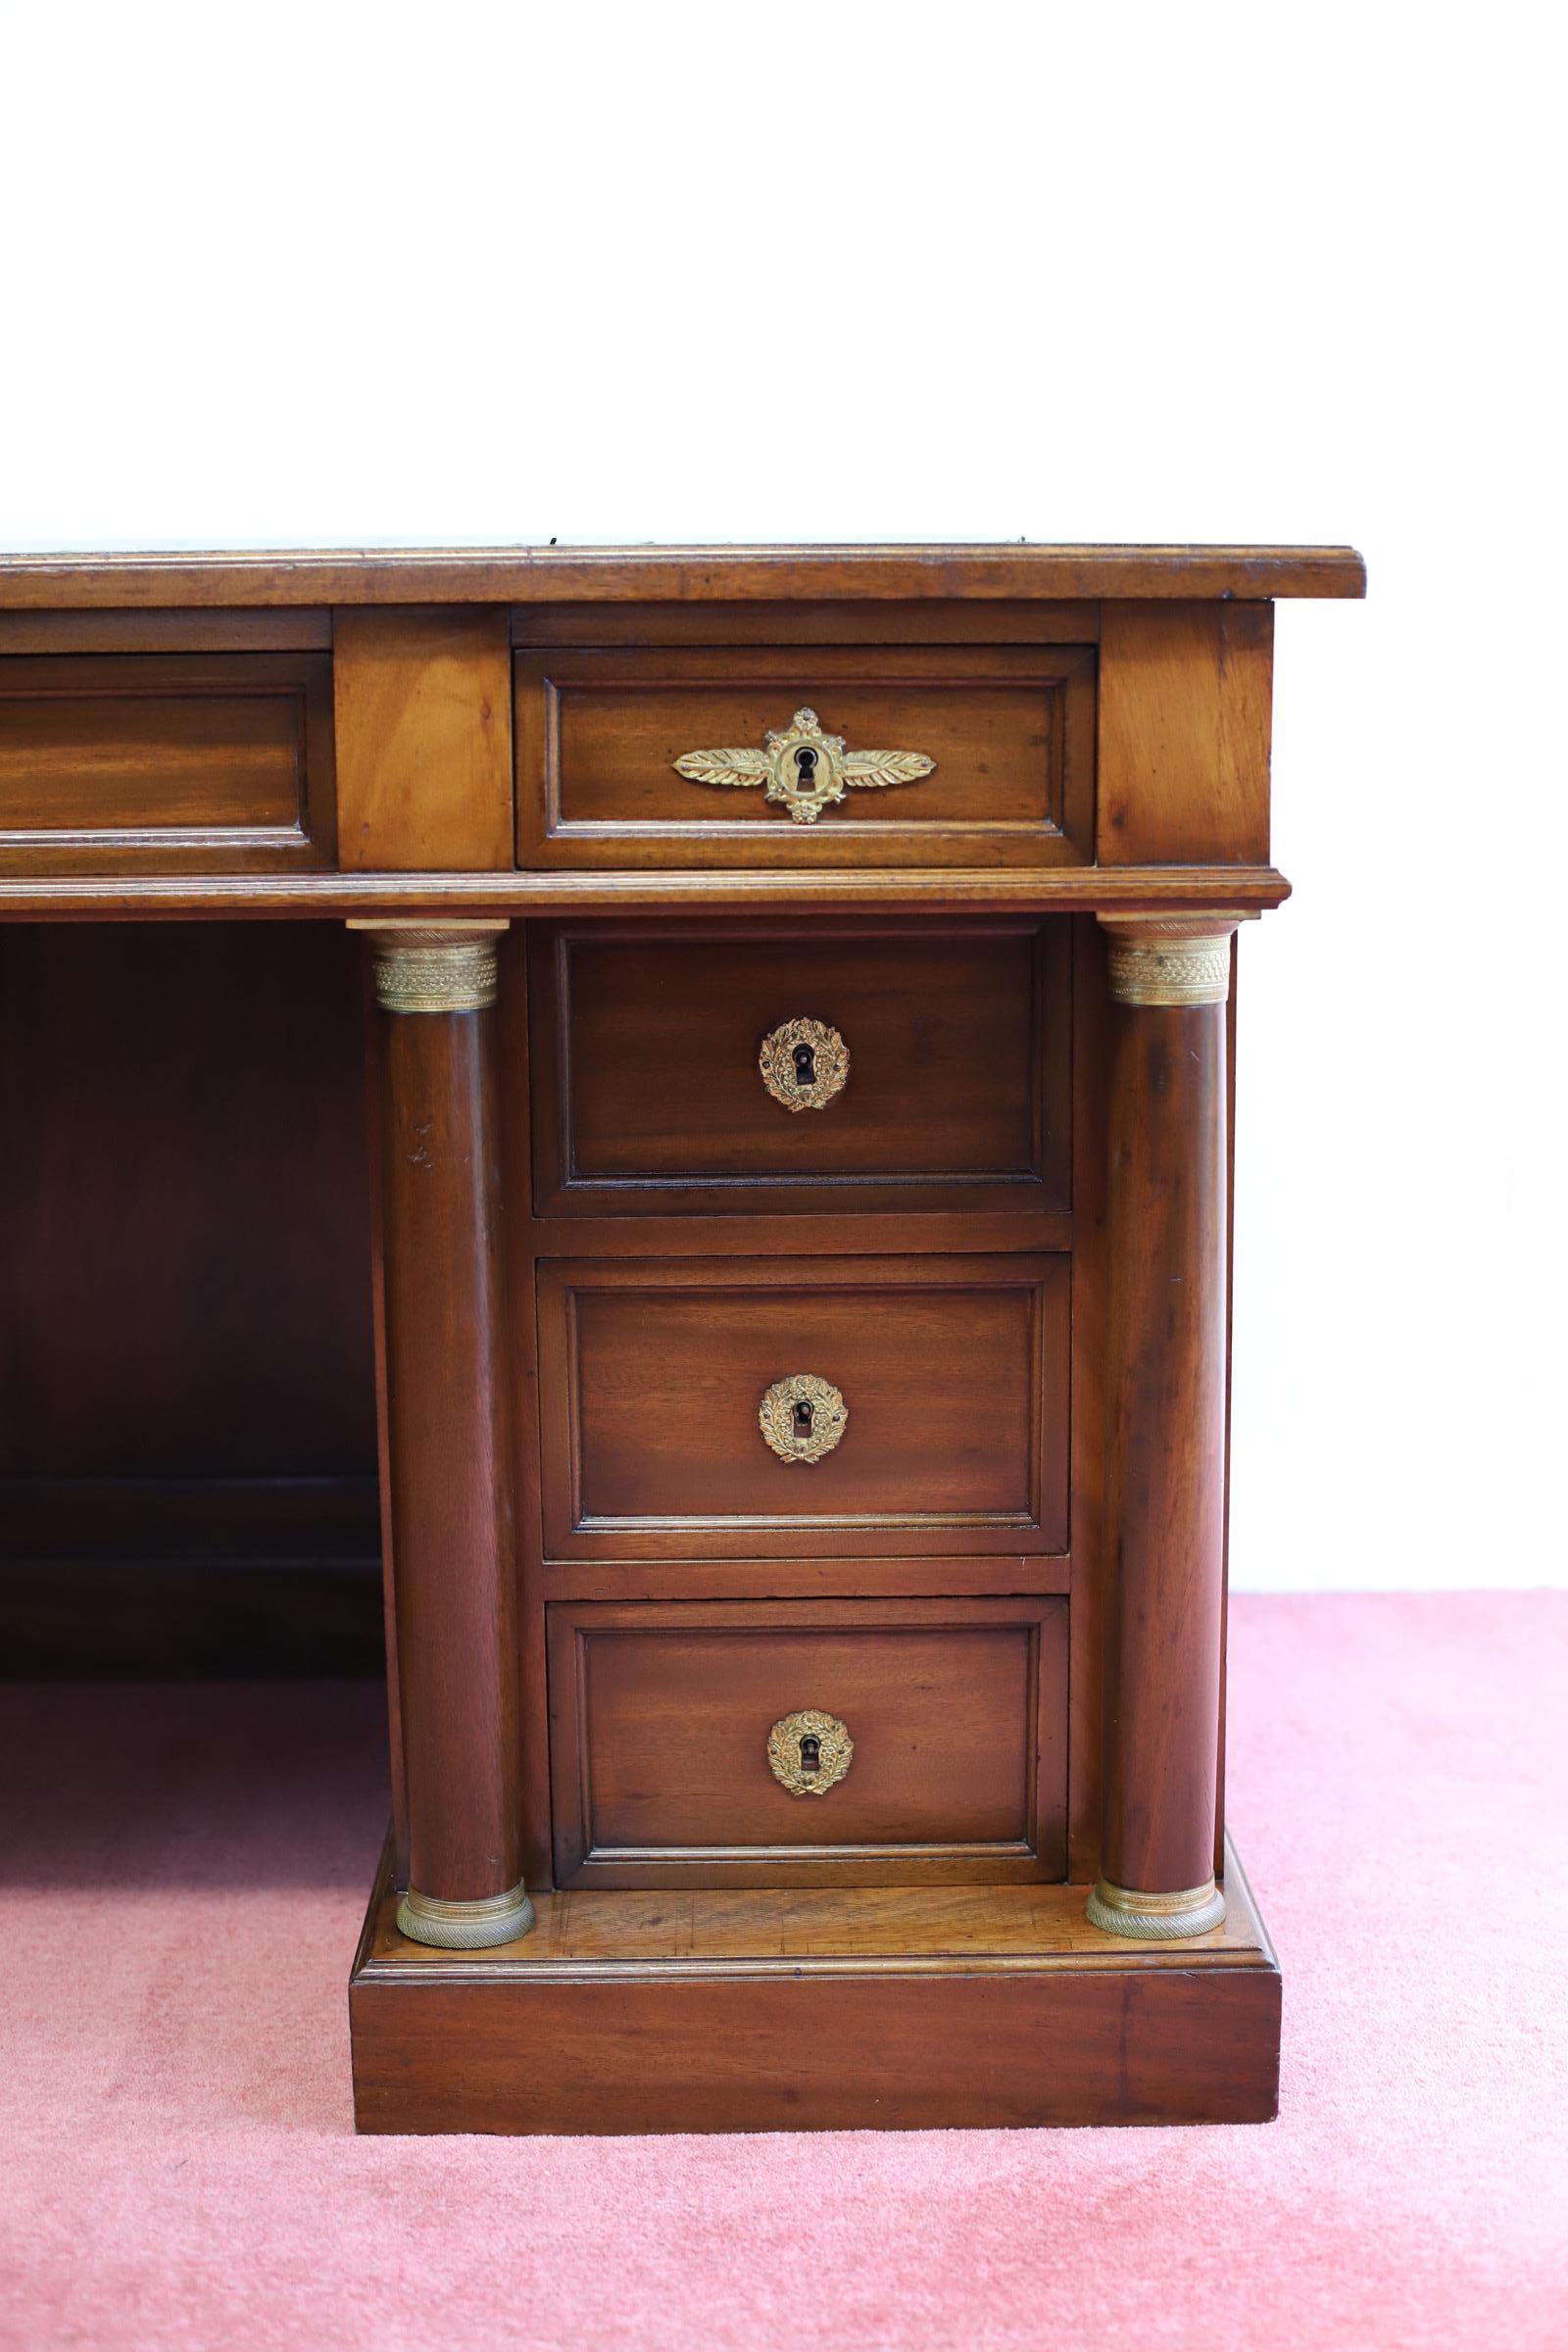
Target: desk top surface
630, 574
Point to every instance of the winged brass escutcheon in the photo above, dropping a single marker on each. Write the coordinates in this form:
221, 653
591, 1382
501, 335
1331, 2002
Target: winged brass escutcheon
805, 771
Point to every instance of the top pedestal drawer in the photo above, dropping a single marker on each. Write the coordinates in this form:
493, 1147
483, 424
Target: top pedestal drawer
817, 756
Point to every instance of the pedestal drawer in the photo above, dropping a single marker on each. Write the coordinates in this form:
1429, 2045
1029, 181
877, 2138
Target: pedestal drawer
747, 1409
784, 1745
799, 1070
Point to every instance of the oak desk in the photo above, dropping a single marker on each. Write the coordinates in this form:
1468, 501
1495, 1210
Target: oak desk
798, 987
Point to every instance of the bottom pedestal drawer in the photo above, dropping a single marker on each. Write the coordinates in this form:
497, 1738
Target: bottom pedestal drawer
791, 1742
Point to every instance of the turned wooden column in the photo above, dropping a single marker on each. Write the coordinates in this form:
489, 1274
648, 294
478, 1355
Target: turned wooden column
1169, 982
446, 1441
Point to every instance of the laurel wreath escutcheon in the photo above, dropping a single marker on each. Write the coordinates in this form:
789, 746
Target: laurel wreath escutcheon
829, 1417
829, 1064
835, 1751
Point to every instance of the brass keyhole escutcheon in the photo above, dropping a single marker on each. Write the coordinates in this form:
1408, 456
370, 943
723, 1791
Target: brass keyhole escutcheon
804, 1064
802, 1417
803, 768
810, 1752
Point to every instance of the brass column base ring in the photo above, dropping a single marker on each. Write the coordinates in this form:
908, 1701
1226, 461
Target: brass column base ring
1156, 1918
472, 1927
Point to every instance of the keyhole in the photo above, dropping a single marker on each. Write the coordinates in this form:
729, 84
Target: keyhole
810, 1752
805, 766
806, 1065
802, 1416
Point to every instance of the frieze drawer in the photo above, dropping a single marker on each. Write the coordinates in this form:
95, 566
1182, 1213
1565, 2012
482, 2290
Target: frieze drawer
826, 756
162, 763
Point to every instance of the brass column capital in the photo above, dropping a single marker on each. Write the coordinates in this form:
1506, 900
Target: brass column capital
1170, 959
432, 967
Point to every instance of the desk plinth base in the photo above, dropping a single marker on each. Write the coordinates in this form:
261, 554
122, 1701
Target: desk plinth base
839, 2009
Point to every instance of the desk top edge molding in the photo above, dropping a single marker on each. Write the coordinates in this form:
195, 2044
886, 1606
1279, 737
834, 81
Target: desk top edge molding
612, 574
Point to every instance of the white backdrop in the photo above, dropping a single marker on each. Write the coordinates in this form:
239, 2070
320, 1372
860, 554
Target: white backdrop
354, 274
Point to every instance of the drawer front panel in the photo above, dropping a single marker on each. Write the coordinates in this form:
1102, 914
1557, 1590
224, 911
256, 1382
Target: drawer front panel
910, 1740
931, 1393
988, 755
650, 1096
164, 763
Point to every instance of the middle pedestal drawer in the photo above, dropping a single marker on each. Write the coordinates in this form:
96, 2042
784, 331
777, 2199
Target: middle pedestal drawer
733, 1408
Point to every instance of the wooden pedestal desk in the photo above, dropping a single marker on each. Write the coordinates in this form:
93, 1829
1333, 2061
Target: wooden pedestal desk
799, 988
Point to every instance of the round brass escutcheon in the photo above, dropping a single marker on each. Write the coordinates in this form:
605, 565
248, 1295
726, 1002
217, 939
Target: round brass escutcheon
804, 1064
810, 1752
802, 1417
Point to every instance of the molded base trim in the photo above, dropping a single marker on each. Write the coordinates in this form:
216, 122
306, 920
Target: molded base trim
832, 2009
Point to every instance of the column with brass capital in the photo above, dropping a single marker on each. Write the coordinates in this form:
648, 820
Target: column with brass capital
446, 1436
1167, 1216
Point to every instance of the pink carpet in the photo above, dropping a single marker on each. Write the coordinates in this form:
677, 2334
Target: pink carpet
183, 1885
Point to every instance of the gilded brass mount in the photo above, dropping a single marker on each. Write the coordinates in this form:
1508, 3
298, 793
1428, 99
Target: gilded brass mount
804, 1064
466, 1927
1156, 1918
810, 1752
804, 769
802, 1417
433, 967
1170, 959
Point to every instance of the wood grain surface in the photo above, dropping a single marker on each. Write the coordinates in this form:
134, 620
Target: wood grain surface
680, 574
1166, 1351
447, 1403
1185, 697
425, 738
